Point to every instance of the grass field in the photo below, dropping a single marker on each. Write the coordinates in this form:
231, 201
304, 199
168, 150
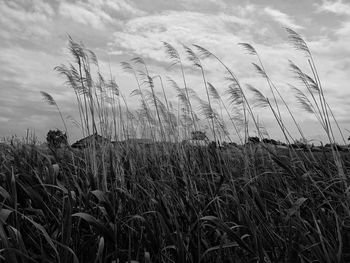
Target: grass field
169, 201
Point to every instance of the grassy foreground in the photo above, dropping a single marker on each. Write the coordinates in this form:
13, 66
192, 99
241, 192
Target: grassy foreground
173, 202
170, 203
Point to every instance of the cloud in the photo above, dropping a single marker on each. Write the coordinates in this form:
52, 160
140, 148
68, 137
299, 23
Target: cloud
144, 35
195, 4
342, 9
123, 6
336, 7
4, 119
40, 13
99, 13
85, 14
22, 21
28, 67
282, 18
247, 9
333, 45
42, 7
344, 30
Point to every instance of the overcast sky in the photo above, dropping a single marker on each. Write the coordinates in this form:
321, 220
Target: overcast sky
33, 40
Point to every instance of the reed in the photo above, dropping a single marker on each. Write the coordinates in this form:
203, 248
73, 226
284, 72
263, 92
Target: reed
168, 198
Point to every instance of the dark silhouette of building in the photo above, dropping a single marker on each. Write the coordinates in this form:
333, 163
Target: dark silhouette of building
89, 140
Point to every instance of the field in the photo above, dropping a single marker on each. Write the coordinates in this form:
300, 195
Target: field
168, 199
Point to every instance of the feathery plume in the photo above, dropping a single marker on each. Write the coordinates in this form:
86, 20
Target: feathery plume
297, 41
259, 70
126, 66
213, 91
172, 52
48, 98
259, 99
235, 95
204, 53
249, 48
304, 102
192, 57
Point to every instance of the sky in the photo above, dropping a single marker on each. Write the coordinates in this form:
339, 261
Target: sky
34, 37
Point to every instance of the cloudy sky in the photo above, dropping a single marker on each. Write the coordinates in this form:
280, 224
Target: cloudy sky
33, 40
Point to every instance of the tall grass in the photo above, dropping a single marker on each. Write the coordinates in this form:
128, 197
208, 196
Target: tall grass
168, 201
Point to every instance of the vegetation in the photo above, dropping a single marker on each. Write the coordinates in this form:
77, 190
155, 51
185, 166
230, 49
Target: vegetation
165, 201
56, 139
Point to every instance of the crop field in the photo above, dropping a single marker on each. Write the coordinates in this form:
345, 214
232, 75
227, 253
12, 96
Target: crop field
149, 185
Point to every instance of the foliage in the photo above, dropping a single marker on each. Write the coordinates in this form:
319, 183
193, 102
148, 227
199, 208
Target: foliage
254, 139
173, 203
56, 139
198, 135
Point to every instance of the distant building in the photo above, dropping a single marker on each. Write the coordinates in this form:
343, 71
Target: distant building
202, 143
134, 141
138, 141
85, 142
271, 141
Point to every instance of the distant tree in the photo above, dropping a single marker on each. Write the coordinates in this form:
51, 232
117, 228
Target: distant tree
282, 143
302, 141
198, 135
334, 146
56, 139
254, 139
265, 140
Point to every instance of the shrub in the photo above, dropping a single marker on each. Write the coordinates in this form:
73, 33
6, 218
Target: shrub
56, 139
